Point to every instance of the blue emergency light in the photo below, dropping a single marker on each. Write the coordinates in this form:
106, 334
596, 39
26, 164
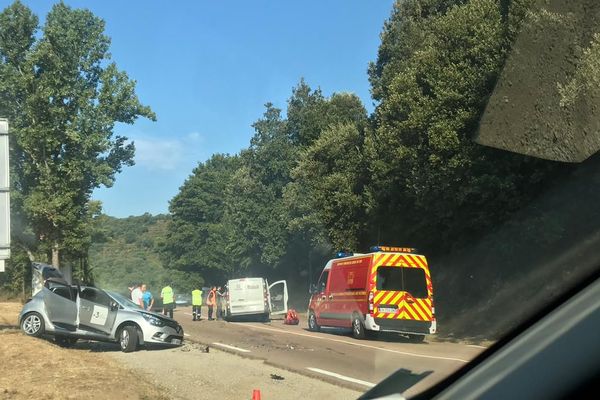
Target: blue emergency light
375, 249
342, 254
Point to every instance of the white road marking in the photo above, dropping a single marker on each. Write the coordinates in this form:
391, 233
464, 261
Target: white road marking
476, 346
231, 347
342, 377
185, 334
354, 344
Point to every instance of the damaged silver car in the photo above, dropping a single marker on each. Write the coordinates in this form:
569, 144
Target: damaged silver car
72, 312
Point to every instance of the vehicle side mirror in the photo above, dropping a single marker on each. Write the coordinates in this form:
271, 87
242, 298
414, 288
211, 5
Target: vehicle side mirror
114, 306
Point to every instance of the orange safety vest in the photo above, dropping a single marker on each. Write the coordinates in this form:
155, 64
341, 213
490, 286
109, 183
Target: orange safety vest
211, 298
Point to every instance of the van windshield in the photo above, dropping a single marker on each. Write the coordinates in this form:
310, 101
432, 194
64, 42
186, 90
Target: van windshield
406, 279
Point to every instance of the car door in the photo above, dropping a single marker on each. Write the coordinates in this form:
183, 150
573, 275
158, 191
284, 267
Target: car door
61, 308
322, 303
278, 298
96, 313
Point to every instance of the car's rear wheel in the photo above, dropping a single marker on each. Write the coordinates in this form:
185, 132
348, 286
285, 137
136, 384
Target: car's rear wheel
128, 339
312, 322
416, 338
358, 328
33, 324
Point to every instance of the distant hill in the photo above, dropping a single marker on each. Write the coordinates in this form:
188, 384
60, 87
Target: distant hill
125, 250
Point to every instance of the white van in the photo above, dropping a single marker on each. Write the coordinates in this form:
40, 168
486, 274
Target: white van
254, 296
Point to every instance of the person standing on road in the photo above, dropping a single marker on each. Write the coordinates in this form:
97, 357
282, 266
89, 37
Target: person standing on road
210, 302
220, 298
147, 298
196, 304
167, 296
136, 295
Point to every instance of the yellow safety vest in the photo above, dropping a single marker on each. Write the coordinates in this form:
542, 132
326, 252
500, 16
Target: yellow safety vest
197, 297
167, 295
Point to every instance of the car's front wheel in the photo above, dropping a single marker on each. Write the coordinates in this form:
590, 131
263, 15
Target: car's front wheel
128, 339
312, 322
33, 324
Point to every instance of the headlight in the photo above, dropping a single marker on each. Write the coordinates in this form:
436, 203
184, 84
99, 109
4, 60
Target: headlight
152, 320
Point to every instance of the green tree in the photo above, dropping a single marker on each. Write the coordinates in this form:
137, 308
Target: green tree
309, 113
403, 34
305, 114
327, 198
198, 238
255, 208
63, 97
432, 185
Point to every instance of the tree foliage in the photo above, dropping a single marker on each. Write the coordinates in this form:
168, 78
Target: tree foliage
198, 238
63, 96
431, 183
320, 175
127, 250
326, 175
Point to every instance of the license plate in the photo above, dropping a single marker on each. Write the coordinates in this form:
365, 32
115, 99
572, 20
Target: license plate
387, 309
176, 341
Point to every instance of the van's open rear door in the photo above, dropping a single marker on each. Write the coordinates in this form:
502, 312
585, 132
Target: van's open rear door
278, 298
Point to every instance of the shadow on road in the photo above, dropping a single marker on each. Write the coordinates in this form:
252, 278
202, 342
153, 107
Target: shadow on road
388, 337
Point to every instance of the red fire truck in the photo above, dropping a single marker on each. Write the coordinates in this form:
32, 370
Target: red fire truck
388, 289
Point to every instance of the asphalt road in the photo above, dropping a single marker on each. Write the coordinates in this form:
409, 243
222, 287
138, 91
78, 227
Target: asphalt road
332, 355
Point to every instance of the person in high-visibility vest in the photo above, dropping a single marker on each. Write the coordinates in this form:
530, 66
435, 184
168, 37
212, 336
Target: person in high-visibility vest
220, 299
196, 304
211, 301
168, 300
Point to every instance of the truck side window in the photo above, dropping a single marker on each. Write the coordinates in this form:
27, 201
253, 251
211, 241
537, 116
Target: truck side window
323, 281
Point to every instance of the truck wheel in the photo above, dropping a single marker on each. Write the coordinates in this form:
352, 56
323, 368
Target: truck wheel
128, 339
312, 322
416, 338
358, 328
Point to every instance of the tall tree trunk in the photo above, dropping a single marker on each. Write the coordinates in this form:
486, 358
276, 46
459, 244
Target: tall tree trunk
55, 256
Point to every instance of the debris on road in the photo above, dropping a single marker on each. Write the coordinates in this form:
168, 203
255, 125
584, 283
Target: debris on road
242, 376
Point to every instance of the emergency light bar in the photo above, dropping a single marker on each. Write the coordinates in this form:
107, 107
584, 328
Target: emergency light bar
341, 254
375, 249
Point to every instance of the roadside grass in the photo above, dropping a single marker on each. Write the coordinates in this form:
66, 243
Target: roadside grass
38, 368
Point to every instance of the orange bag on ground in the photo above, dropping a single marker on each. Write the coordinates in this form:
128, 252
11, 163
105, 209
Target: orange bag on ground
291, 318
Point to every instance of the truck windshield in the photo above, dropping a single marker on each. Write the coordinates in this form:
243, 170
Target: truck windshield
407, 279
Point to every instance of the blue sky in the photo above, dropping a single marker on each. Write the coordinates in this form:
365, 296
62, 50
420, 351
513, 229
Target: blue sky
207, 68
